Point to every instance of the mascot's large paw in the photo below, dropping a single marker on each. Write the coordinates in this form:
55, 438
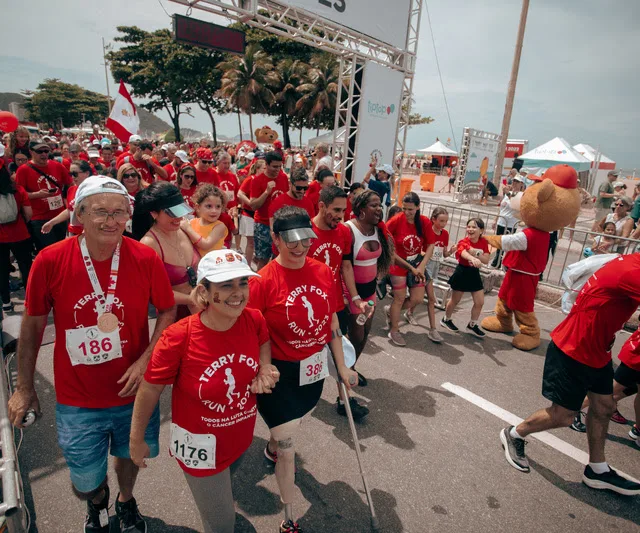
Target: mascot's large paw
493, 323
525, 342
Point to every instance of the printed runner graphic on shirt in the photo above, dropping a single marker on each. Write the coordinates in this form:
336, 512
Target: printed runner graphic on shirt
325, 252
307, 308
86, 317
229, 401
412, 244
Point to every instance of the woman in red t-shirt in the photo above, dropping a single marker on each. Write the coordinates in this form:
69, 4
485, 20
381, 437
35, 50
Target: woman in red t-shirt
79, 171
411, 234
297, 297
472, 253
217, 361
187, 183
14, 235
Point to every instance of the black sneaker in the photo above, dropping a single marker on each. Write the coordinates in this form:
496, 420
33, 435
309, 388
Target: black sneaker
290, 527
577, 424
514, 450
131, 520
8, 308
97, 519
449, 324
358, 411
475, 330
610, 480
271, 456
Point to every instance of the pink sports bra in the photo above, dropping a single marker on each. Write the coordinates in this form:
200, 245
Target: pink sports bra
177, 274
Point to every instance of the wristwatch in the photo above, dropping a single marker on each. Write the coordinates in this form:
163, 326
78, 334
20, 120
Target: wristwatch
478, 253
356, 297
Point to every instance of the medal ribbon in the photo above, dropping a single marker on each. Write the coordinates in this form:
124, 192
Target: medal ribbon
105, 302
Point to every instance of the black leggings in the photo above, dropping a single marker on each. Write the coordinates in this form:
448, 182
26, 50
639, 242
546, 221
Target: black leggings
42, 240
22, 252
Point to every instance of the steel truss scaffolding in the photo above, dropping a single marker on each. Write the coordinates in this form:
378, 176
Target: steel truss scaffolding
352, 47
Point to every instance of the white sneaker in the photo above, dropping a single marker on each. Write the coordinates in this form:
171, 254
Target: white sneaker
408, 316
387, 315
434, 336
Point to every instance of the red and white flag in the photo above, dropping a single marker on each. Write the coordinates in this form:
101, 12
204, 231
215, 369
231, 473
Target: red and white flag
123, 120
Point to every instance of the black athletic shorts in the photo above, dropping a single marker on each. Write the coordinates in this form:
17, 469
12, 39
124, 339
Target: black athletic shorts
628, 377
566, 381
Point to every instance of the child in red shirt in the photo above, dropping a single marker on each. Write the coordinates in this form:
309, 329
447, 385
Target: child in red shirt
472, 252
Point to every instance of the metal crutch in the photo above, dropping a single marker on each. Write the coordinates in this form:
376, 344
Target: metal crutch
375, 526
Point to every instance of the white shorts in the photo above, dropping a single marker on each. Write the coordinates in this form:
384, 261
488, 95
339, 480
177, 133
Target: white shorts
246, 226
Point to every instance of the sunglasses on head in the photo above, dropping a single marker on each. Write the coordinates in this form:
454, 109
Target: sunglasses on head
42, 151
301, 188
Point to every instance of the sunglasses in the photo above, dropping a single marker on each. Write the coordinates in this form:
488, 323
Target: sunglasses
207, 161
42, 151
188, 176
130, 175
294, 244
193, 278
74, 173
301, 188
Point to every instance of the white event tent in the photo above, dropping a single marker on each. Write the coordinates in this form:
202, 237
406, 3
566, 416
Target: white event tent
604, 163
439, 149
328, 138
554, 152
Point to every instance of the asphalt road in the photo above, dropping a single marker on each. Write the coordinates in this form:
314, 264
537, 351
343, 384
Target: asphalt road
433, 458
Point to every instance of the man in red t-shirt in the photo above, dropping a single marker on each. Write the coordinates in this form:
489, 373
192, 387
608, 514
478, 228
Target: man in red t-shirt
298, 185
180, 158
45, 181
265, 188
205, 173
578, 364
144, 163
134, 143
333, 248
99, 286
324, 179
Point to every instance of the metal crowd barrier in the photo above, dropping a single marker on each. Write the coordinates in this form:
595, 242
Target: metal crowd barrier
14, 516
570, 248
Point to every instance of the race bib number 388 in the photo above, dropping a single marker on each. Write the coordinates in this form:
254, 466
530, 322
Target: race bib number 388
193, 450
314, 368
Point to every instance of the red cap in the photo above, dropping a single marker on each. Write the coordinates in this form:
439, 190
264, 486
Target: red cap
204, 153
561, 175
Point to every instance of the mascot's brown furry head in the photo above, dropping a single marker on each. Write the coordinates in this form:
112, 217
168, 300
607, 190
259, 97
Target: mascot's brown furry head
554, 201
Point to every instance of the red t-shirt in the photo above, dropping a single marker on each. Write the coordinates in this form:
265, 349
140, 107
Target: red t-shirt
196, 360
441, 240
33, 181
229, 184
284, 199
71, 196
59, 281
141, 166
348, 212
630, 352
207, 176
187, 194
330, 248
407, 242
605, 303
313, 193
16, 231
172, 173
298, 305
226, 219
466, 244
245, 187
259, 185
121, 158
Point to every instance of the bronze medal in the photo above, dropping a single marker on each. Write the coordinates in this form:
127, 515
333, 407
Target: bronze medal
107, 322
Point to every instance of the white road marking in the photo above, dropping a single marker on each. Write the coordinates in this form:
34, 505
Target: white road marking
544, 436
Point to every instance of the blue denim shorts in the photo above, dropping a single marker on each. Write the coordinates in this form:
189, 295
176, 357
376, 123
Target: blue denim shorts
262, 240
86, 436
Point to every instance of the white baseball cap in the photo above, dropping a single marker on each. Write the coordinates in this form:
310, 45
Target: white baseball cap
222, 265
135, 139
388, 169
182, 156
251, 156
1, 150
93, 153
97, 185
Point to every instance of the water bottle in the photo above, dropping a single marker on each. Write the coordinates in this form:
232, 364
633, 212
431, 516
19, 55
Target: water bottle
363, 317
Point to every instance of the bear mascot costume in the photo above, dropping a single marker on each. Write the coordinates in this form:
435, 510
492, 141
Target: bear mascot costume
550, 204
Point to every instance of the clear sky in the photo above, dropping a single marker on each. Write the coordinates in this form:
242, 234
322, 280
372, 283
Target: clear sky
579, 75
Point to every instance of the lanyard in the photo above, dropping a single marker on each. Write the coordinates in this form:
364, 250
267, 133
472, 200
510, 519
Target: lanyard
105, 303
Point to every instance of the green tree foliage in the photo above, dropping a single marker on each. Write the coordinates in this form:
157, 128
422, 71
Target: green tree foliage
290, 74
247, 82
318, 94
59, 104
415, 119
153, 65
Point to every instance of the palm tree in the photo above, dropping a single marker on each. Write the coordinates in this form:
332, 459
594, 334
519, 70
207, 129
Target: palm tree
320, 90
246, 83
288, 75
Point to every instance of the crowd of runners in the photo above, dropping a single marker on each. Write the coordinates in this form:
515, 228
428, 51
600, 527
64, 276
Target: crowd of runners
263, 272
